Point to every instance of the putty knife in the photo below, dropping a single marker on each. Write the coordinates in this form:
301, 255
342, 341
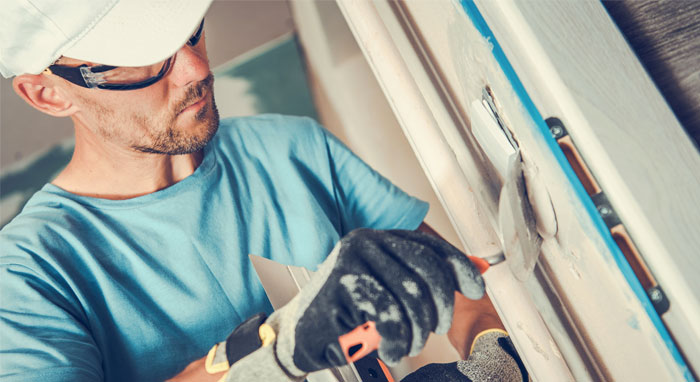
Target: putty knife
517, 227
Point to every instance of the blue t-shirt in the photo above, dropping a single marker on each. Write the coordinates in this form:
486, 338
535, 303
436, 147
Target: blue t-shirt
133, 290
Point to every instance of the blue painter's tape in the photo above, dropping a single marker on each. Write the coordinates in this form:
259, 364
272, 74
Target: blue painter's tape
477, 19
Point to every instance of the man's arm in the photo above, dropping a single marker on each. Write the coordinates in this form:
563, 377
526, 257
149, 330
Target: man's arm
471, 317
196, 371
368, 276
43, 336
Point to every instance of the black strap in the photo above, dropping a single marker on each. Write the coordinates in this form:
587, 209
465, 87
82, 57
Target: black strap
244, 339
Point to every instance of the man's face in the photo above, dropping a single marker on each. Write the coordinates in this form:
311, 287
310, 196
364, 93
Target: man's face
176, 115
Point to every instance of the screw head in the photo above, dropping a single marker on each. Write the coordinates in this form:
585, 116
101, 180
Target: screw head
655, 295
557, 131
604, 211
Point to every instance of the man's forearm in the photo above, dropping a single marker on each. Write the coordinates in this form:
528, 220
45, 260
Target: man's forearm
196, 372
471, 318
260, 365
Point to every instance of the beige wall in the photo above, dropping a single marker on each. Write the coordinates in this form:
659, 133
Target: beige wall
233, 27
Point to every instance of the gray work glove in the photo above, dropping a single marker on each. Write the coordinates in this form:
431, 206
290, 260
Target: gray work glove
404, 281
493, 359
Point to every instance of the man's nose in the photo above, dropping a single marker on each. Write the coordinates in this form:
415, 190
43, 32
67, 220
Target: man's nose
191, 66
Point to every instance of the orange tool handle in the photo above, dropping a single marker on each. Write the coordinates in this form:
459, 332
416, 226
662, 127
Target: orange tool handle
361, 341
365, 339
481, 264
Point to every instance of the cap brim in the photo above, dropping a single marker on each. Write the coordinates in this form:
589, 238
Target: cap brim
138, 33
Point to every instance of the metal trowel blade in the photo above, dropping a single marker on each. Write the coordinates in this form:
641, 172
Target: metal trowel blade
521, 242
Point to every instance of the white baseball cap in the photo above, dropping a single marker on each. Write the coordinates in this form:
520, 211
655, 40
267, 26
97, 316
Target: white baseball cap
35, 33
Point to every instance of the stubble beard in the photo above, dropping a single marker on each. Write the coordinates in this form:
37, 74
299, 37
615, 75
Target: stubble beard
167, 139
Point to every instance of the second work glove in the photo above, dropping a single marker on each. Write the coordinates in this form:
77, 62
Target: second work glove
404, 281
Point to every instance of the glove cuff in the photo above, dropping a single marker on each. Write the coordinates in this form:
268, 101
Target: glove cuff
245, 339
495, 333
249, 354
249, 336
260, 365
493, 357
284, 343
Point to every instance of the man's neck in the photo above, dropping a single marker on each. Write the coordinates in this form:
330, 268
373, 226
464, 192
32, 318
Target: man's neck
104, 170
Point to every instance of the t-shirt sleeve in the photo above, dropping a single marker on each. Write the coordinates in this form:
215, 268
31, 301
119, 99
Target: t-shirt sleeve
41, 337
367, 199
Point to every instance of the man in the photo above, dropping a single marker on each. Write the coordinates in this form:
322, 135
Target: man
133, 261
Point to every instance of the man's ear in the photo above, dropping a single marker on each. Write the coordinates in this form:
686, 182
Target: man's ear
42, 94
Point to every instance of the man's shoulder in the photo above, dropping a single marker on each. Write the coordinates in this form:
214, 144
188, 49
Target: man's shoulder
261, 121
44, 221
270, 128
269, 139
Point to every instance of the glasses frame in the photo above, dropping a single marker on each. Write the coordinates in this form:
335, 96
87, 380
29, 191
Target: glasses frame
93, 76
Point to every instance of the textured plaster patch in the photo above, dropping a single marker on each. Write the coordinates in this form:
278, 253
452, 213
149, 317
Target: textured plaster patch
535, 345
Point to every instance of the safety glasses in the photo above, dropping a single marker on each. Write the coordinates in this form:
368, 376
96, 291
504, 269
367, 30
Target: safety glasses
119, 77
